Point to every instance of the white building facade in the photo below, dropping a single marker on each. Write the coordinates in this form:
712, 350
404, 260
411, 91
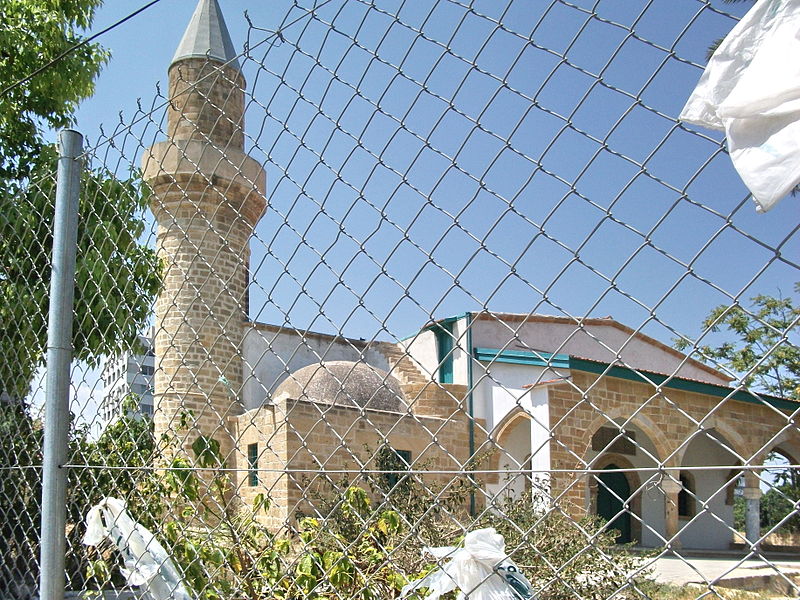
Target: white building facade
129, 374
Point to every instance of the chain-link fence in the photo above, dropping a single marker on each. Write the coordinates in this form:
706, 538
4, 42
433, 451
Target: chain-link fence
372, 319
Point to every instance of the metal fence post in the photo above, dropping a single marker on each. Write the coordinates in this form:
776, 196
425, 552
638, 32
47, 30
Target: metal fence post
59, 357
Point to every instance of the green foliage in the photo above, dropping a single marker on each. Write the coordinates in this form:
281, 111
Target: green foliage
225, 552
739, 513
777, 504
116, 278
33, 33
762, 345
564, 557
128, 442
354, 546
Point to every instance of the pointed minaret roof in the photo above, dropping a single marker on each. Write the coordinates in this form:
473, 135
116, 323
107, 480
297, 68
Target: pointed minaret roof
207, 36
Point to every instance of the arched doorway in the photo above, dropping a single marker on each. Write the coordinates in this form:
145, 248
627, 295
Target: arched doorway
613, 491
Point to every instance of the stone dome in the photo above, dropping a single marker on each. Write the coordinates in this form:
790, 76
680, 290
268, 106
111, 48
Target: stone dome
346, 383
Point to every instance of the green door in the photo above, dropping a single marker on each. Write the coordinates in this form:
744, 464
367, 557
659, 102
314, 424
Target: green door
612, 491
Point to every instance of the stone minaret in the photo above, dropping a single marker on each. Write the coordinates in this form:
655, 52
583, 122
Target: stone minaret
208, 196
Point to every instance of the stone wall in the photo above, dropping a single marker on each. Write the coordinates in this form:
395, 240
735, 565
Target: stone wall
297, 439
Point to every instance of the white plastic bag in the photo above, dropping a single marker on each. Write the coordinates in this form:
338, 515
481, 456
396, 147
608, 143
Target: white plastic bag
480, 569
751, 90
146, 562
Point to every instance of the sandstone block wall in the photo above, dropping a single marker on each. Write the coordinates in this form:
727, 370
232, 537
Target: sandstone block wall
298, 439
669, 418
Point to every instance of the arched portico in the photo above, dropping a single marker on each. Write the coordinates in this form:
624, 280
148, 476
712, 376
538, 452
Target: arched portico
623, 456
615, 495
782, 448
521, 458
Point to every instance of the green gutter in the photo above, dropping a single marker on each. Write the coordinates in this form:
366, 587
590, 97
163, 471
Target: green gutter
522, 357
564, 361
677, 383
435, 323
471, 412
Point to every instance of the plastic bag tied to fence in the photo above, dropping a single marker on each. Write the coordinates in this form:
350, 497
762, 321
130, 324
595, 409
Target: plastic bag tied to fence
751, 90
147, 563
481, 570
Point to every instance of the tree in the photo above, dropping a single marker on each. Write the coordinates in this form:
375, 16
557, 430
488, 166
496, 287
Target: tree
761, 346
116, 277
32, 33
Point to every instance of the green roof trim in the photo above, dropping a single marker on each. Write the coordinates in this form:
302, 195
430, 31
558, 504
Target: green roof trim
565, 361
678, 383
523, 357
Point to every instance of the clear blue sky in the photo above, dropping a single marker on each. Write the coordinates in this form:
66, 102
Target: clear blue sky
558, 190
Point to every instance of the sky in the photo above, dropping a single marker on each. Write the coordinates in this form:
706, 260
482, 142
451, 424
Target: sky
426, 158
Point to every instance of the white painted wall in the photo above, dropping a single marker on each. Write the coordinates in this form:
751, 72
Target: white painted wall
712, 527
497, 398
270, 355
514, 453
500, 388
604, 343
422, 350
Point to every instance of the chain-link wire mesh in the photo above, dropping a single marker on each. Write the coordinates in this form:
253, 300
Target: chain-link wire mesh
372, 318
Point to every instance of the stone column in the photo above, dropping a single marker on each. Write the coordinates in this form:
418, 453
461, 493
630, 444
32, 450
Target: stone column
752, 512
672, 490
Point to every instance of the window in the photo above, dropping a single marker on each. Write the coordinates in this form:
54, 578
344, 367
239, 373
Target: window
608, 439
444, 350
392, 461
252, 464
686, 497
147, 370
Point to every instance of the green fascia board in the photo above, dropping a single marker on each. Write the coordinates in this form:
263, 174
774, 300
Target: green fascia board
523, 357
677, 383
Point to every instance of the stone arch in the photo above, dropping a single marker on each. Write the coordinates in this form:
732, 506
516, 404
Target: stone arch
787, 442
508, 423
709, 465
654, 433
634, 503
733, 438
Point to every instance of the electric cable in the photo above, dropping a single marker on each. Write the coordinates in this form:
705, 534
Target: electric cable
75, 47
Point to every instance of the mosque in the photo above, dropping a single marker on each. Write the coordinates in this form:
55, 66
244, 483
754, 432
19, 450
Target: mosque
605, 419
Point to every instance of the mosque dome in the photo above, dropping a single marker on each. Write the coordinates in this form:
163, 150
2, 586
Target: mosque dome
344, 383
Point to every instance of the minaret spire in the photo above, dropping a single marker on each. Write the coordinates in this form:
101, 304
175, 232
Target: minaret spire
206, 85
207, 36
